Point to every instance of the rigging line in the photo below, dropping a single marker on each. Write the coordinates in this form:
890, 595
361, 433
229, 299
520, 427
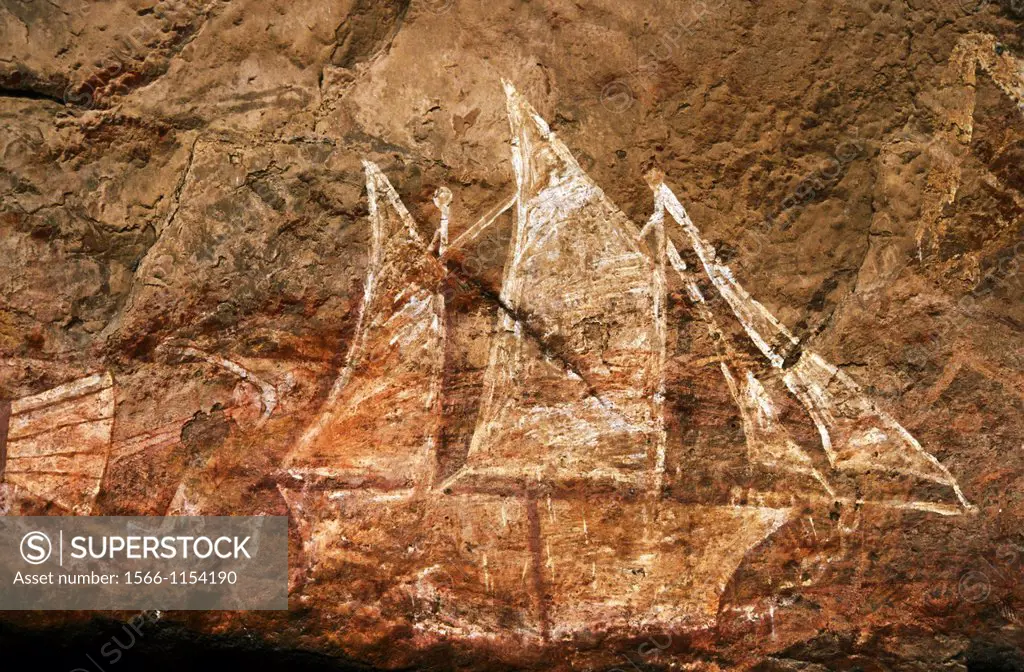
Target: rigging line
657, 221
473, 232
435, 440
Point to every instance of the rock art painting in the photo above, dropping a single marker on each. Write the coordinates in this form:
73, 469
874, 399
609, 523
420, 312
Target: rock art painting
551, 360
56, 444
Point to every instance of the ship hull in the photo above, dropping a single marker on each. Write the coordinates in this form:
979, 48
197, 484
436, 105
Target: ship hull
522, 567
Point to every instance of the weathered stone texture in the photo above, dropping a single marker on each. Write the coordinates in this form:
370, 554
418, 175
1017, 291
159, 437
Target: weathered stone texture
183, 207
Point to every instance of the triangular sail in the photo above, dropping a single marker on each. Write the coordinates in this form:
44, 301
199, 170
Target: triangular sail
381, 420
589, 407
768, 441
856, 434
58, 442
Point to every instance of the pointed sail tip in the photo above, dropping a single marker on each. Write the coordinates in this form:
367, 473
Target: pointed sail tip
520, 112
510, 90
513, 101
655, 178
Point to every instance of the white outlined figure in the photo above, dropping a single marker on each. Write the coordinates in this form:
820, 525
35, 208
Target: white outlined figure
56, 444
573, 402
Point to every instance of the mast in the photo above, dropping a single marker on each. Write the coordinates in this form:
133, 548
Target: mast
442, 200
661, 329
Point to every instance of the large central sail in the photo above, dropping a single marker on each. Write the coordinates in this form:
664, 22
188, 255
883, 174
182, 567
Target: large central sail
577, 394
380, 423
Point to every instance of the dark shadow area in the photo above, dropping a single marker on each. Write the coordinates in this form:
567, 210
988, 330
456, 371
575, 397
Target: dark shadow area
843, 652
989, 657
107, 646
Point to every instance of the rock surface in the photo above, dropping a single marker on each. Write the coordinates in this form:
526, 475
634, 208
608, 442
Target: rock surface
183, 205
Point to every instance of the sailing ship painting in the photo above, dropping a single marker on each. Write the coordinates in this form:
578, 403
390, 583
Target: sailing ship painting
565, 512
560, 515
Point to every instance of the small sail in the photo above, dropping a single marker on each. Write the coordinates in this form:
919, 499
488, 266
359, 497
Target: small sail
768, 441
856, 435
573, 386
380, 422
58, 442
